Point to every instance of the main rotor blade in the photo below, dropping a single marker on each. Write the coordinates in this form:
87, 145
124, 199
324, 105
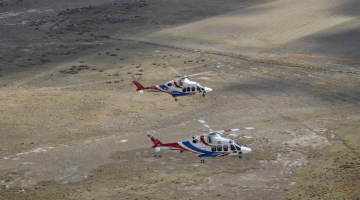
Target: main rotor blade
240, 136
205, 124
198, 74
176, 72
237, 129
188, 129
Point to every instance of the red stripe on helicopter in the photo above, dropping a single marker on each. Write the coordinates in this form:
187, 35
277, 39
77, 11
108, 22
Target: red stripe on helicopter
225, 154
203, 141
175, 83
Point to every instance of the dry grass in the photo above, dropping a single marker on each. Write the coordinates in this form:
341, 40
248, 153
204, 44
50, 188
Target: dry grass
269, 156
306, 57
334, 175
201, 175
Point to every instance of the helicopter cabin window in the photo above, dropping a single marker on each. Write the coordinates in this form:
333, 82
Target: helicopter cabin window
169, 84
184, 89
225, 147
198, 88
213, 148
219, 147
232, 147
238, 148
193, 89
188, 89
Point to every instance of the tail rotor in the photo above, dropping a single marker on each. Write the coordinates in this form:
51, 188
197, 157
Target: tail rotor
151, 135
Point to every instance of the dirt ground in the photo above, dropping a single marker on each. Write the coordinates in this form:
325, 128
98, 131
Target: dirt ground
71, 122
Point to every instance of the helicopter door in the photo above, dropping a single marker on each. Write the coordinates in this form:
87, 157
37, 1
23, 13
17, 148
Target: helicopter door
232, 147
209, 139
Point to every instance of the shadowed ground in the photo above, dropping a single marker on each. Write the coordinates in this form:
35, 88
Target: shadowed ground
71, 123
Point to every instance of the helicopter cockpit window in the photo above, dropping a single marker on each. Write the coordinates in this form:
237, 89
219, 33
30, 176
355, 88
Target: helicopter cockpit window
198, 88
219, 147
188, 89
169, 84
213, 148
225, 147
232, 147
238, 148
184, 89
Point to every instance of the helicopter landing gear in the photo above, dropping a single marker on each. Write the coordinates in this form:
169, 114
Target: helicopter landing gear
202, 160
176, 99
240, 157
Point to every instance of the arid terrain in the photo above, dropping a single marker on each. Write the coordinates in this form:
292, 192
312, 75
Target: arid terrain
71, 122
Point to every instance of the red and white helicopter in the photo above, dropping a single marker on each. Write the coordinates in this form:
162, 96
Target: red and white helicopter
178, 87
210, 144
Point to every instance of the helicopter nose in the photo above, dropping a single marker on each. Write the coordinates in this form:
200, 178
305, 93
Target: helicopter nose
245, 150
208, 89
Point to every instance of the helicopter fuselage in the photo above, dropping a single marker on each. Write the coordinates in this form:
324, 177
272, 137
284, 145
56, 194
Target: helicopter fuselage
207, 145
176, 88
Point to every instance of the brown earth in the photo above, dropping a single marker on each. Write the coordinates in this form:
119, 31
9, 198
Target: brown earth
72, 124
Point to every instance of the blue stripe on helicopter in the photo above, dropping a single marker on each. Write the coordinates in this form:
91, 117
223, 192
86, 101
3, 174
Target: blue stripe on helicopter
175, 93
204, 153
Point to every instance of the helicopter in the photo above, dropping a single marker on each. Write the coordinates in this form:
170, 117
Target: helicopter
178, 87
210, 144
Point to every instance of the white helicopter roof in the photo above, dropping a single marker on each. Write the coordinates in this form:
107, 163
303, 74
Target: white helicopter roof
186, 82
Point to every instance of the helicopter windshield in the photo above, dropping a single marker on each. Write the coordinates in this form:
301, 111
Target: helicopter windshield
238, 144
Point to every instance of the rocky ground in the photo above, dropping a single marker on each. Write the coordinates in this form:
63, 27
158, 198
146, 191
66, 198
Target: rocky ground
72, 124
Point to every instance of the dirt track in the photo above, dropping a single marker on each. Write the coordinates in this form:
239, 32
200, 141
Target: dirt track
76, 132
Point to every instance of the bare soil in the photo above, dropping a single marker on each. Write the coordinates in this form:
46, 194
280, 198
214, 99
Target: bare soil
71, 122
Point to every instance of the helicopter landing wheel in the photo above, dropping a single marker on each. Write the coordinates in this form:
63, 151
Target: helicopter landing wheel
202, 161
176, 99
240, 157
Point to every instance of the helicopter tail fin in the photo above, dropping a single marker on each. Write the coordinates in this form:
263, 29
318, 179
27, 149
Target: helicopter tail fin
138, 85
155, 140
